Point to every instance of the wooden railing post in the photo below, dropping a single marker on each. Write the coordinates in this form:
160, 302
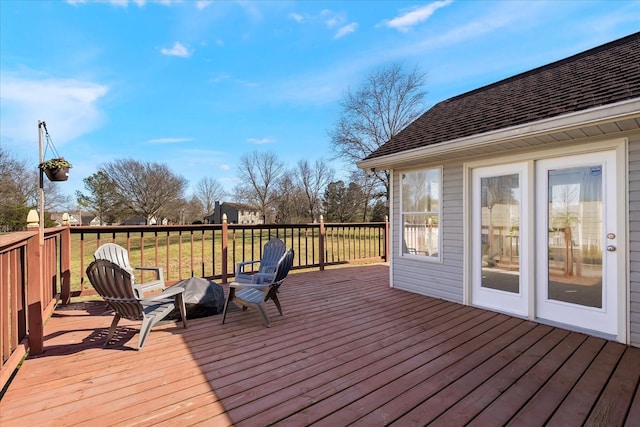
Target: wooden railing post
65, 266
225, 247
387, 246
34, 286
321, 242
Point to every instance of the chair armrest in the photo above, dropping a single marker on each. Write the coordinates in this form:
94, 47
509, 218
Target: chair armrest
158, 270
238, 285
262, 277
240, 265
169, 292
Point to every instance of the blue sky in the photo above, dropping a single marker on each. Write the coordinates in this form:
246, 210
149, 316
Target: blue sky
195, 84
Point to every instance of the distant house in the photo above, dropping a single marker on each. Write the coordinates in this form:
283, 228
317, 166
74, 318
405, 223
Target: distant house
237, 213
523, 196
134, 220
86, 219
57, 218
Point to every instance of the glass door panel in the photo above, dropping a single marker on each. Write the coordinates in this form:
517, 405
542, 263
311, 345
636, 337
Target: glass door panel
575, 235
499, 216
500, 232
577, 262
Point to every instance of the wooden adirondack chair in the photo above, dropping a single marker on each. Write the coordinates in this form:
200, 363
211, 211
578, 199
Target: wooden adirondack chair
119, 255
114, 284
259, 291
271, 254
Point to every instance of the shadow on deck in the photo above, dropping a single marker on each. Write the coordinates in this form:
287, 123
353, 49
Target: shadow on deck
349, 350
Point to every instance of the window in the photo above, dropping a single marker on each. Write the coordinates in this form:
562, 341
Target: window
420, 212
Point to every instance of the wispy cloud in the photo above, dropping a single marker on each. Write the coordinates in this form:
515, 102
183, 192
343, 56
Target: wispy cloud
247, 83
220, 78
296, 17
347, 29
178, 49
252, 9
203, 4
261, 141
410, 19
122, 3
69, 106
169, 140
332, 19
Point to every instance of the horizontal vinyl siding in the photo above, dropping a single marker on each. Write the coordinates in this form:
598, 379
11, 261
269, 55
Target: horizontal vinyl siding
634, 237
445, 280
435, 279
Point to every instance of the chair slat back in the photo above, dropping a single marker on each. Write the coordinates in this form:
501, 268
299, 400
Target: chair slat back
284, 265
272, 252
114, 253
114, 284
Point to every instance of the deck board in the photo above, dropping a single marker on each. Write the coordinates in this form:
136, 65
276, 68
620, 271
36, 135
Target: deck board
348, 351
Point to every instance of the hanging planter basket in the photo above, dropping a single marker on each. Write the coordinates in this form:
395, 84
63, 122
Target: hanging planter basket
56, 169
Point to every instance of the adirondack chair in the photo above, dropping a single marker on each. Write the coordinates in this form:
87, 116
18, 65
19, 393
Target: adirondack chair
119, 255
114, 284
271, 254
258, 291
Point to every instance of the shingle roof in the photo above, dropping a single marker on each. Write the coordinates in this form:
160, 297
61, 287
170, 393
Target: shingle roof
603, 75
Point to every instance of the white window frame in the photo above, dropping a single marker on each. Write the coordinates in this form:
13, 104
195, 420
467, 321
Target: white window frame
438, 213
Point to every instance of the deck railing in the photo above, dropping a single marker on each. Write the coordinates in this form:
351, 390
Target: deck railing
212, 250
33, 278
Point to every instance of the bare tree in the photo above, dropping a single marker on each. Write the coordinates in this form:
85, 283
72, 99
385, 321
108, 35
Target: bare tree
145, 188
54, 200
290, 201
386, 103
371, 193
192, 211
14, 191
258, 174
208, 191
19, 192
312, 180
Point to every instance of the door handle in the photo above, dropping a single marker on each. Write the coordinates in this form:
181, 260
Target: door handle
611, 248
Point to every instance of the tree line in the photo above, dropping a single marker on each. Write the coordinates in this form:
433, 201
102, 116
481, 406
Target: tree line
385, 103
126, 188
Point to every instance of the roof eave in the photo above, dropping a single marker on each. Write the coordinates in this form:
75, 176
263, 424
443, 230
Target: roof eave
598, 115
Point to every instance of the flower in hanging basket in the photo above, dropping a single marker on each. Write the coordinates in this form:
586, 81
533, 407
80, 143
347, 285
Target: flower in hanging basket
56, 169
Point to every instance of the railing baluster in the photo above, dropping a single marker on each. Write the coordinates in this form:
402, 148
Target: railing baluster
179, 255
155, 242
191, 247
202, 238
167, 268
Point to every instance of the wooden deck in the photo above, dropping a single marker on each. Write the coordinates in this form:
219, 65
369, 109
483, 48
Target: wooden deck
349, 350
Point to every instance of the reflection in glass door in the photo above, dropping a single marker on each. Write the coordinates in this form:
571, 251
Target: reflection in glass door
499, 244
577, 262
575, 235
500, 232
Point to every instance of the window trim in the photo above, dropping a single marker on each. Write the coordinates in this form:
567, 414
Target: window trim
431, 259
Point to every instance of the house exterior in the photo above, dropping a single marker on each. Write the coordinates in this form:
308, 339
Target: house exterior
85, 219
523, 196
237, 213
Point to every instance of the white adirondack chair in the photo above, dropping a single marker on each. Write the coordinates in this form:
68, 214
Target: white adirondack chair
113, 284
120, 256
